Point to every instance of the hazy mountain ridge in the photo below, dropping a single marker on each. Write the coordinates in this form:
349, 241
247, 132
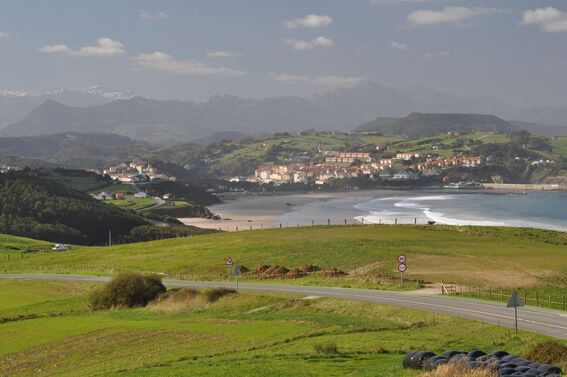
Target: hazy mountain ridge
172, 121
71, 149
429, 124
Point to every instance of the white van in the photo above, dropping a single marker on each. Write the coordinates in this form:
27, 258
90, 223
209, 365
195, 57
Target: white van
60, 247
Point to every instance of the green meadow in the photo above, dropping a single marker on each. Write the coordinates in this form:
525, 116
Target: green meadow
476, 256
244, 334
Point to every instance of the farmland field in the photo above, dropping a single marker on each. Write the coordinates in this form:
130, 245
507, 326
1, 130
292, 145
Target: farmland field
478, 256
241, 335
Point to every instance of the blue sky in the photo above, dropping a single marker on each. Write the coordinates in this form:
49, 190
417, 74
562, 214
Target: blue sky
514, 50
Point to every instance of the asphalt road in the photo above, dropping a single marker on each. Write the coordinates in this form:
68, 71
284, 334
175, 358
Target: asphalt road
551, 323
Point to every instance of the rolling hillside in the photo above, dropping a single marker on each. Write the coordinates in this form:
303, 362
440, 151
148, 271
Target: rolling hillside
422, 124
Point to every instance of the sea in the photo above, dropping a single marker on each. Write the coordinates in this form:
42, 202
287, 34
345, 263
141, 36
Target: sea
534, 209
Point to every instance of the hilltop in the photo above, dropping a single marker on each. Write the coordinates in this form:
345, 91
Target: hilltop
429, 124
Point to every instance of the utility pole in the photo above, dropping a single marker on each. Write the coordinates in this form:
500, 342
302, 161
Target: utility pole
109, 238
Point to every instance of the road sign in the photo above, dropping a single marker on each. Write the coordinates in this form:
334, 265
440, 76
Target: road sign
402, 267
515, 302
228, 261
402, 258
237, 271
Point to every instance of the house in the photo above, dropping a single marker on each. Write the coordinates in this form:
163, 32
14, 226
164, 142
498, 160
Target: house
119, 195
140, 195
406, 176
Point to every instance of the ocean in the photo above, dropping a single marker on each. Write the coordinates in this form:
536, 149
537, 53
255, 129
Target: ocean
546, 210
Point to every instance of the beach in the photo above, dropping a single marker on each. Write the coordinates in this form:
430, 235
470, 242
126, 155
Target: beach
534, 209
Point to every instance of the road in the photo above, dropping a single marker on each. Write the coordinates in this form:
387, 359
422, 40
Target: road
553, 323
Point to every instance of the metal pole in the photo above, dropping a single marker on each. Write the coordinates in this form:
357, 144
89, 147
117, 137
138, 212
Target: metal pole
109, 238
516, 317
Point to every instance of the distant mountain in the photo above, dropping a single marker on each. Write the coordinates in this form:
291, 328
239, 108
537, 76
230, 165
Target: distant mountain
423, 124
172, 122
540, 129
15, 104
77, 150
221, 136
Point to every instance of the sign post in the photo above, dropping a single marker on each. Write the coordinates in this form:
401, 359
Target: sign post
402, 267
228, 263
237, 273
515, 302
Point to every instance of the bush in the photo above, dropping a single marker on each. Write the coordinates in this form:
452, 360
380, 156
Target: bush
127, 290
326, 348
216, 294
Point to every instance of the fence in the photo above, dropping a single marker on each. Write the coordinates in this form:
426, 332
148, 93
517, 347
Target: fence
530, 296
251, 225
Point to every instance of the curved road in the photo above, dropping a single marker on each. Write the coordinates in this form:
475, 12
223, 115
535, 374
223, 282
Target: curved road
553, 323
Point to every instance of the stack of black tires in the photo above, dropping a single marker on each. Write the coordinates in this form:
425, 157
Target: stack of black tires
499, 361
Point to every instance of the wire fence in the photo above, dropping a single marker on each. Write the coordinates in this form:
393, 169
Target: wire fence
543, 298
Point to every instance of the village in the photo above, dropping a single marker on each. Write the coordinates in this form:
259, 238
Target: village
134, 172
340, 165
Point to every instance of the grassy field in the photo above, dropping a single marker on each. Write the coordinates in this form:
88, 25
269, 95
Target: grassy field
135, 204
477, 256
248, 334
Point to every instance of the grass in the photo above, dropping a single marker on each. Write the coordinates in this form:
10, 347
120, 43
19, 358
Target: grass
477, 256
240, 334
134, 204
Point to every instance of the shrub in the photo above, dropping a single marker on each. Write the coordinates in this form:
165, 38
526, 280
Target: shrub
127, 290
216, 294
326, 348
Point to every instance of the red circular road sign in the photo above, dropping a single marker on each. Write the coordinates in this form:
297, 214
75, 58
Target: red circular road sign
402, 258
402, 267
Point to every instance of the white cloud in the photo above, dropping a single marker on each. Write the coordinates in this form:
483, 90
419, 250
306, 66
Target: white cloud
309, 21
399, 46
104, 47
549, 19
330, 81
221, 54
4, 35
152, 15
451, 15
438, 54
306, 45
55, 48
162, 62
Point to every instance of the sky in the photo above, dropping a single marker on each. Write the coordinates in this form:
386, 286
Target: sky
513, 50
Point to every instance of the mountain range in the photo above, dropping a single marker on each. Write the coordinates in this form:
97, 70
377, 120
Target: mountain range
172, 121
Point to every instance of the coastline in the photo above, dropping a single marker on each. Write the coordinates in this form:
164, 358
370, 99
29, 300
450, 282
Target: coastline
261, 211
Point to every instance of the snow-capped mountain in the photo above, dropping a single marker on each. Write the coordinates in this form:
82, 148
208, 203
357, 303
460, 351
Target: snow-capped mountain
15, 104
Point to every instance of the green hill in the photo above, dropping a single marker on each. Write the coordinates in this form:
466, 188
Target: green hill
43, 209
423, 124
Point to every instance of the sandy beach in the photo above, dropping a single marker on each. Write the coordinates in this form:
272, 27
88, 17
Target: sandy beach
266, 211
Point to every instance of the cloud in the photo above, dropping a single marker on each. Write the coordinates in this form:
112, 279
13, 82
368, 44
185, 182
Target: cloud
162, 62
104, 47
438, 54
399, 46
549, 19
450, 15
221, 54
309, 21
152, 15
330, 81
4, 35
306, 45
